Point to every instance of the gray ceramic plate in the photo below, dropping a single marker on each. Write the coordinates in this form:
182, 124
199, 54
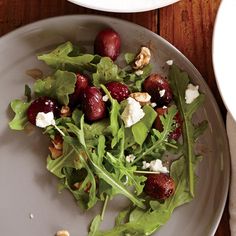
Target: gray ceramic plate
27, 187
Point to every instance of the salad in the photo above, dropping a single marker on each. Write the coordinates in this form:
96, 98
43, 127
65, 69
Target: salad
116, 130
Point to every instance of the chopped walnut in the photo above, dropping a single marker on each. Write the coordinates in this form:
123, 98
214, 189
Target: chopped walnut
62, 233
56, 149
77, 185
142, 98
58, 142
55, 153
65, 111
35, 73
142, 59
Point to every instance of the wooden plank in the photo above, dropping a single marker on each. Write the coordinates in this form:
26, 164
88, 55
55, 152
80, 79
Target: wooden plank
15, 13
188, 25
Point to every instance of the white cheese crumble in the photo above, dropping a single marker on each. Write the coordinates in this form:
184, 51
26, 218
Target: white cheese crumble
191, 93
130, 158
132, 113
153, 104
139, 72
31, 216
155, 166
45, 119
105, 98
169, 62
162, 92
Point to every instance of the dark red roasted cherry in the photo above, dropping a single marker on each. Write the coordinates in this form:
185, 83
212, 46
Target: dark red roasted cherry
93, 106
42, 104
118, 90
107, 43
176, 133
82, 83
159, 89
159, 186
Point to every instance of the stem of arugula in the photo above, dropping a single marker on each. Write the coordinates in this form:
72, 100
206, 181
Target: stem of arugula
104, 207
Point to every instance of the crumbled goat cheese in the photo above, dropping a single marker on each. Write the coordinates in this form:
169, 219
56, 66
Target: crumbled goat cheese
139, 72
153, 104
105, 98
155, 166
130, 158
169, 62
45, 119
191, 93
164, 107
132, 112
162, 92
146, 165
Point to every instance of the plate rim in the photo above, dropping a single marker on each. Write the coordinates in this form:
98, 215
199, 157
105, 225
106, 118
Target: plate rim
22, 29
107, 9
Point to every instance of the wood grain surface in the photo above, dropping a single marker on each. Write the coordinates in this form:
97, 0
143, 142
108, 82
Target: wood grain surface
188, 25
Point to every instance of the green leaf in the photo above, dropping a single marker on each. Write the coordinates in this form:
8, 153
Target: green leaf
135, 81
20, 119
28, 93
129, 57
114, 117
200, 128
107, 71
60, 58
141, 129
95, 225
167, 122
179, 81
143, 222
57, 86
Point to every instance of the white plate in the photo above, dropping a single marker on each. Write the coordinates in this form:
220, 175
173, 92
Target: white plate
123, 5
27, 187
224, 53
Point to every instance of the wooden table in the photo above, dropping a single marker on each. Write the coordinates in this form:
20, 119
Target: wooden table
188, 25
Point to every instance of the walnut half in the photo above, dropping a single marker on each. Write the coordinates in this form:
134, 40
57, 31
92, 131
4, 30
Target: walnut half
142, 98
142, 59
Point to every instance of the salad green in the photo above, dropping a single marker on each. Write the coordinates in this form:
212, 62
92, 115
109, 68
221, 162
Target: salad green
92, 164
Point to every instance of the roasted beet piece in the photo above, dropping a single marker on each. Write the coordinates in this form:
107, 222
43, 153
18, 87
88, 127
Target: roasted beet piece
159, 186
159, 89
93, 106
42, 104
107, 43
118, 90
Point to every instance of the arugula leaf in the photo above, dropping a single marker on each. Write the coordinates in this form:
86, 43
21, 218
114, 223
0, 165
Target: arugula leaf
114, 117
129, 57
20, 119
95, 160
135, 81
141, 129
57, 86
60, 58
127, 172
159, 213
168, 122
28, 93
107, 71
95, 225
179, 81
